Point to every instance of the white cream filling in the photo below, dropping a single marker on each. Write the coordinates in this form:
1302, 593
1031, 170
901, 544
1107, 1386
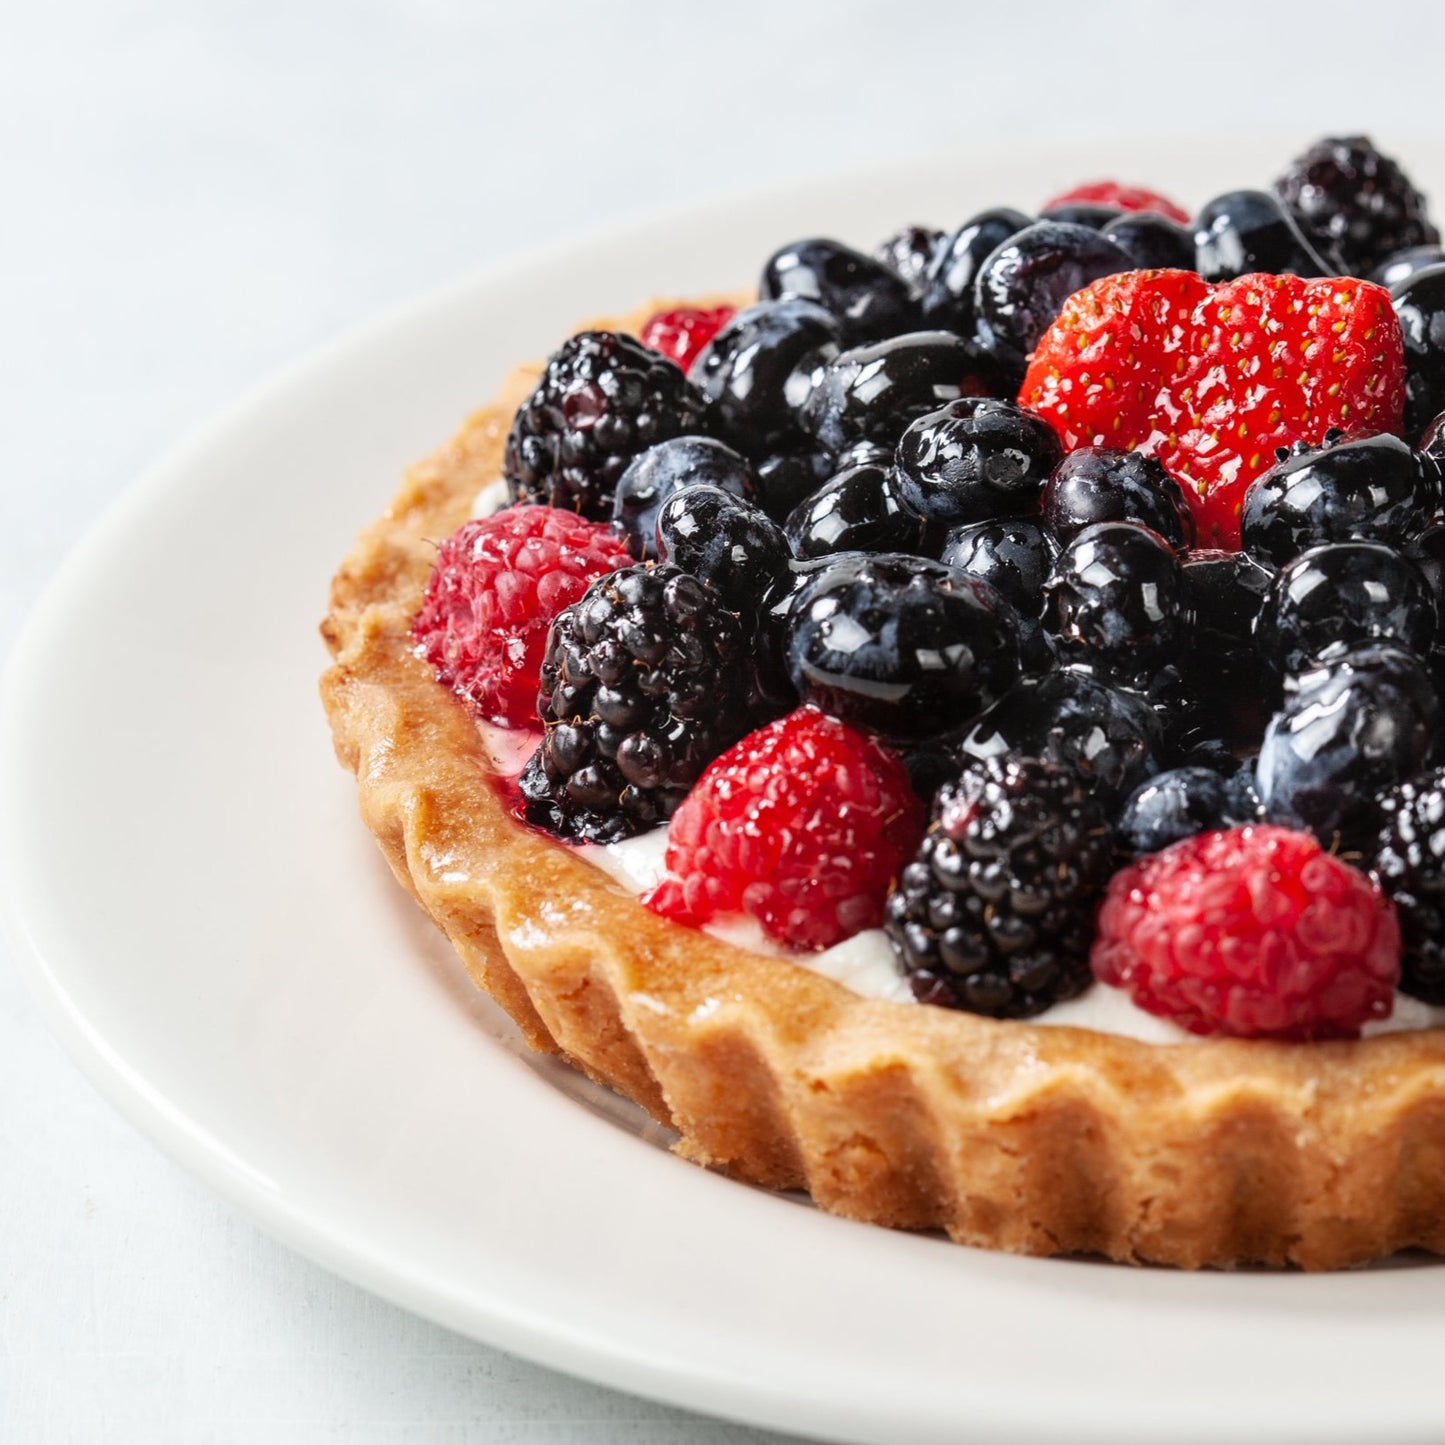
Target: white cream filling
492, 498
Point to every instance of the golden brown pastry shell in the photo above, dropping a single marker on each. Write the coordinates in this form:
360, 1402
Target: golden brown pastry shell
1036, 1139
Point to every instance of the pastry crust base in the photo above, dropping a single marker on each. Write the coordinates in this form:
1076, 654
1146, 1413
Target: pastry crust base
1039, 1140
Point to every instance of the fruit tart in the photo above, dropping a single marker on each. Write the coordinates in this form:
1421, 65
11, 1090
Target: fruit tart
959, 733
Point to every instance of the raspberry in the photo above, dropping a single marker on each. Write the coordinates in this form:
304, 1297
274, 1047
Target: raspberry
681, 333
1255, 932
1126, 198
1213, 379
497, 584
802, 825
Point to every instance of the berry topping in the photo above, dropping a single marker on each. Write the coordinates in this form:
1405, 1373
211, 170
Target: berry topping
1178, 804
681, 333
975, 459
1153, 242
1349, 731
643, 685
1023, 285
910, 253
1355, 202
872, 393
1213, 379
802, 825
1248, 231
1374, 489
905, 647
1255, 932
497, 584
725, 541
602, 399
871, 301
1115, 603
1095, 485
1121, 198
996, 912
1397, 269
948, 300
758, 370
657, 473
859, 510
1410, 867
1420, 305
1014, 556
1333, 598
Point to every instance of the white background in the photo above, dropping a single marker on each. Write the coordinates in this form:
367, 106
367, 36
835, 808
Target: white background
194, 194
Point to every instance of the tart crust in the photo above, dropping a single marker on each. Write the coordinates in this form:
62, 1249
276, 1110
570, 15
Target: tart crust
1035, 1139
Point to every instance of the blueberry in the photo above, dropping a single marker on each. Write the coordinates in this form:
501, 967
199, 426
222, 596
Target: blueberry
872, 393
869, 301
1152, 242
1427, 552
859, 510
1175, 805
1349, 732
901, 646
975, 459
1014, 556
948, 298
1112, 739
910, 253
1399, 268
1246, 231
1432, 447
1225, 591
759, 368
1093, 214
1115, 603
1420, 305
1022, 286
1096, 485
1334, 598
785, 478
657, 473
725, 541
1374, 489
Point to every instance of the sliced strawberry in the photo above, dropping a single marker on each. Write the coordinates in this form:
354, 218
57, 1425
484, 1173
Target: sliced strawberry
1127, 198
1212, 379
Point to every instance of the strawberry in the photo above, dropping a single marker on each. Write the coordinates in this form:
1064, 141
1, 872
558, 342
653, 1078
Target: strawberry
1127, 198
1213, 379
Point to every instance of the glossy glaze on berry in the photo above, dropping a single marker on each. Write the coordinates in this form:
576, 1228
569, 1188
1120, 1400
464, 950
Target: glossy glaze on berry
948, 299
1014, 556
859, 510
652, 477
870, 301
756, 372
975, 459
1022, 286
1334, 598
910, 253
1113, 739
725, 541
1372, 489
872, 393
602, 399
1395, 270
1094, 484
1247, 231
905, 647
1114, 602
995, 915
1420, 305
1350, 730
1177, 804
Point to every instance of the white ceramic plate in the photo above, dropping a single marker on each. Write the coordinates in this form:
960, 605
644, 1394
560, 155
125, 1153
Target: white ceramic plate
214, 937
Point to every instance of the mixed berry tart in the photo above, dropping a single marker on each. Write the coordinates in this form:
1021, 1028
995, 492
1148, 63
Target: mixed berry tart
959, 731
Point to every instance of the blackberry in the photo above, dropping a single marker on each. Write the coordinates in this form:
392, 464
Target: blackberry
644, 684
603, 399
1355, 202
996, 913
1246, 231
1410, 867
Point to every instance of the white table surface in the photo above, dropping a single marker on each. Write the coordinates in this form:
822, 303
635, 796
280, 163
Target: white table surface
192, 195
